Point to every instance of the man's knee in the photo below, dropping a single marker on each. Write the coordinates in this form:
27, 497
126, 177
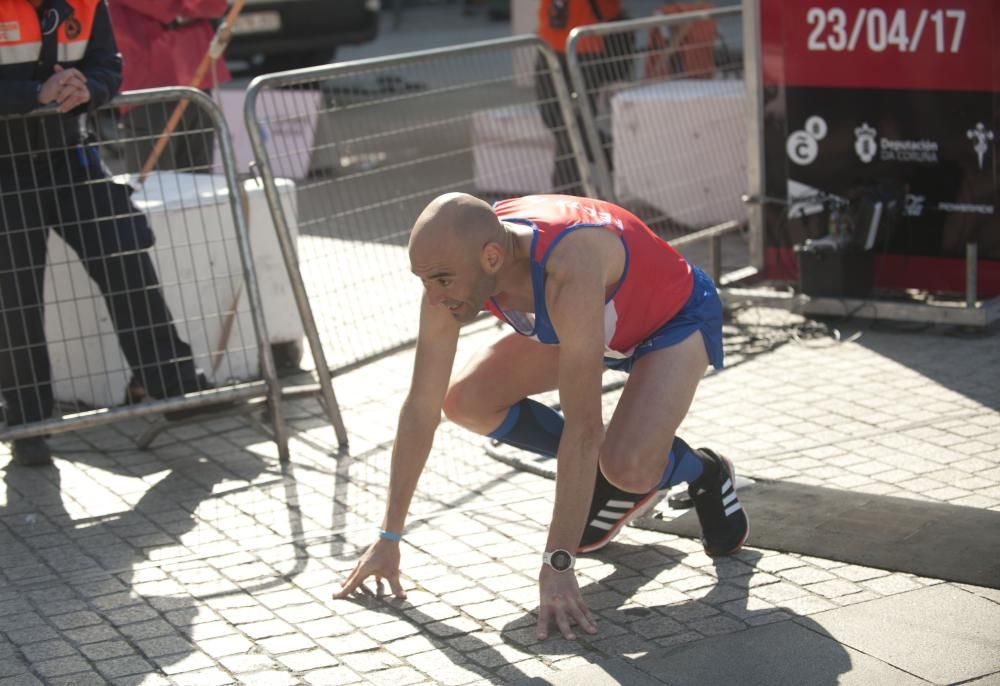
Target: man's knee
632, 469
460, 403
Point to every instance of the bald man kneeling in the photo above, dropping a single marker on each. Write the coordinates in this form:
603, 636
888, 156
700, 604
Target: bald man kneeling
585, 286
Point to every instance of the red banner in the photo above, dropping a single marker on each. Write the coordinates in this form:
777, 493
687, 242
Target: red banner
897, 44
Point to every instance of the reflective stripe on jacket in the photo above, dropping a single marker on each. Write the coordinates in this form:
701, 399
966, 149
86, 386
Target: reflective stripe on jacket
84, 42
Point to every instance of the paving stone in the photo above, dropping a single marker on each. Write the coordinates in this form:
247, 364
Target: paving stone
268, 678
806, 575
208, 630
308, 660
888, 585
339, 675
370, 661
779, 593
11, 665
248, 663
177, 664
204, 677
126, 615
409, 646
224, 645
259, 630
452, 627
31, 634
88, 678
288, 643
148, 629
20, 680
106, 649
47, 650
124, 666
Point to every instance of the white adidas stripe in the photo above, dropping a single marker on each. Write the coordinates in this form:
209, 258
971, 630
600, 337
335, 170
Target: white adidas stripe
729, 498
727, 485
733, 508
601, 525
607, 514
623, 504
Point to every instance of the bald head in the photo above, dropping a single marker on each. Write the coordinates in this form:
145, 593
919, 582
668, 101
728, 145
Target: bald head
454, 220
456, 251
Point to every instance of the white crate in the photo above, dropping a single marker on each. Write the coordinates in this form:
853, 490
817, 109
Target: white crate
513, 151
681, 147
192, 221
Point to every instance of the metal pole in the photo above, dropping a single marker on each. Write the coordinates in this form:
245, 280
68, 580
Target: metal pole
715, 257
288, 253
971, 275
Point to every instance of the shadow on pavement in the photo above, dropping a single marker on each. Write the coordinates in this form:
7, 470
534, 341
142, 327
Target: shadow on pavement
965, 362
97, 581
750, 643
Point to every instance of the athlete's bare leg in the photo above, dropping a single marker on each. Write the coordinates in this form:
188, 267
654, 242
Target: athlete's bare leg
653, 404
511, 369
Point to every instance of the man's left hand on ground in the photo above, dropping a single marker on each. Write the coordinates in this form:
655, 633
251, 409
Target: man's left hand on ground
561, 602
381, 560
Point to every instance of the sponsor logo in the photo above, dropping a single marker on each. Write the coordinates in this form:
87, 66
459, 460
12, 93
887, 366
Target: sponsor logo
865, 144
922, 151
802, 145
979, 135
914, 205
72, 28
965, 208
10, 31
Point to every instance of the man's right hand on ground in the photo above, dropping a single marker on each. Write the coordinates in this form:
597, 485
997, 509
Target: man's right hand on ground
561, 604
381, 560
67, 88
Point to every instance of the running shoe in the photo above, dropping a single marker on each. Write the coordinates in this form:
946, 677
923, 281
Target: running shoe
611, 509
724, 523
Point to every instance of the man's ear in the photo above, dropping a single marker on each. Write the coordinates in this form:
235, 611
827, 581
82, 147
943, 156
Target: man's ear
491, 257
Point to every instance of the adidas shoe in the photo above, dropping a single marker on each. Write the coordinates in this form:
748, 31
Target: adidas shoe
612, 508
724, 523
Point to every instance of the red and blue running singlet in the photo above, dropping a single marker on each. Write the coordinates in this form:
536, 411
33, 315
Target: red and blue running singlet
655, 283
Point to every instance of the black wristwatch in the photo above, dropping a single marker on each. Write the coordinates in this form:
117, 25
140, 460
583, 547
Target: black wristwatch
560, 560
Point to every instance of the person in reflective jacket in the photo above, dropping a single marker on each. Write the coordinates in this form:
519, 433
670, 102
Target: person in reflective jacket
60, 56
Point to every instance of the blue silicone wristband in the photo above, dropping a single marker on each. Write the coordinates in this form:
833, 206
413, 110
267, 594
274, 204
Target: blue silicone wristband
389, 536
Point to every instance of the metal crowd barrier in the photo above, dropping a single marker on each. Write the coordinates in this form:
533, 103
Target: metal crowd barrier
176, 324
369, 144
664, 102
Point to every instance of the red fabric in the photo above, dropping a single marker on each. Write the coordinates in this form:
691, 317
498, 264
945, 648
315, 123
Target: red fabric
655, 285
155, 56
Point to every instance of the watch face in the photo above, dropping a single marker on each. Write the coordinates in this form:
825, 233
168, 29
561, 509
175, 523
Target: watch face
561, 560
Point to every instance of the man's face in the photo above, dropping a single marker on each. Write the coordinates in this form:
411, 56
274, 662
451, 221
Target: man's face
454, 281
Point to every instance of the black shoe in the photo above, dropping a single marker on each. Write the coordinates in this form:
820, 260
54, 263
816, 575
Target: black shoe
31, 452
724, 523
612, 508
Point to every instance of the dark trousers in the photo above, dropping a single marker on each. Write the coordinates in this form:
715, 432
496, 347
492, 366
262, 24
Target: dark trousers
189, 148
70, 193
565, 172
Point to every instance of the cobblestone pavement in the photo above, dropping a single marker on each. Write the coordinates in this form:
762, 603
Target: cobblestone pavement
204, 561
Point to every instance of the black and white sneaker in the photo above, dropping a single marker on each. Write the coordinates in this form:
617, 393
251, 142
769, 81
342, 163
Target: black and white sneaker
724, 523
612, 508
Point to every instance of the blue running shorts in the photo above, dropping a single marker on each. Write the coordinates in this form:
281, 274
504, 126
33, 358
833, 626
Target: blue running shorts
702, 312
